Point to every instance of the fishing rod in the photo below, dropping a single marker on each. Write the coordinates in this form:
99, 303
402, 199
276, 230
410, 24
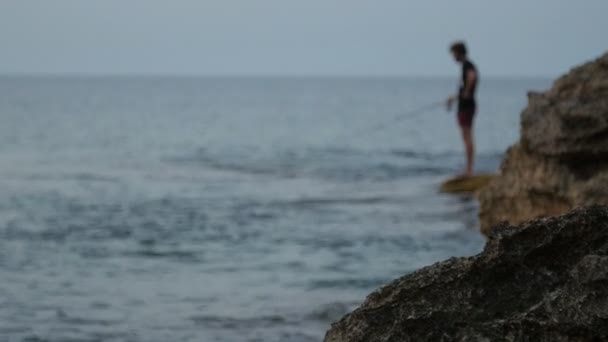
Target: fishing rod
407, 115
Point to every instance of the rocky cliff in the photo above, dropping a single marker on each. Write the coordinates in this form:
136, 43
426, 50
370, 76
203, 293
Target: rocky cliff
561, 160
546, 280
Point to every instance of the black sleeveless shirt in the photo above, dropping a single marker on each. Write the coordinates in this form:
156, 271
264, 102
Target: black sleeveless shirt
468, 103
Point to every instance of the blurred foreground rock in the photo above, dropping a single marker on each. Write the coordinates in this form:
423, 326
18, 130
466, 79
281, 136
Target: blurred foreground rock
561, 160
546, 280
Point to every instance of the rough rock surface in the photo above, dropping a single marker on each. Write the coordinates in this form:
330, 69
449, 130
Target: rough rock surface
545, 280
561, 160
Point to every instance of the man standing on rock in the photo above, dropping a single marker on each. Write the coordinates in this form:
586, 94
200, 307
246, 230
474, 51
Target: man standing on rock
466, 102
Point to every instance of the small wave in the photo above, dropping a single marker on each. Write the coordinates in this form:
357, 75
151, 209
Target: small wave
230, 161
347, 283
178, 255
14, 330
324, 201
82, 177
85, 321
219, 322
35, 339
411, 154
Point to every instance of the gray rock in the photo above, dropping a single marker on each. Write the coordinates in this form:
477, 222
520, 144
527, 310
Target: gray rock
571, 120
545, 280
561, 160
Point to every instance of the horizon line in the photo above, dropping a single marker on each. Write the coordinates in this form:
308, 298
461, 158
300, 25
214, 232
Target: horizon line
251, 75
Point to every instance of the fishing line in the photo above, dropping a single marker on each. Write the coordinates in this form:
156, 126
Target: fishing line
396, 119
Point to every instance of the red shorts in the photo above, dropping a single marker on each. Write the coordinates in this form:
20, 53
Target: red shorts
465, 117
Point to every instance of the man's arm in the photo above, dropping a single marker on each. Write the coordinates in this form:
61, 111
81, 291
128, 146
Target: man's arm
471, 78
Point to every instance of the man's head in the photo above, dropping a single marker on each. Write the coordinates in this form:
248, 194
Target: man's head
459, 51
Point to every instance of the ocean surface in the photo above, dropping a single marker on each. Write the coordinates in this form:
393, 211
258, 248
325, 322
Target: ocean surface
227, 209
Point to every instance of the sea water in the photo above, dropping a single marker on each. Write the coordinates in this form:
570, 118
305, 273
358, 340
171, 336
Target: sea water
227, 209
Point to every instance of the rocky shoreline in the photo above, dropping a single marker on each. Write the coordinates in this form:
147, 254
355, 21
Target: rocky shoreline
541, 277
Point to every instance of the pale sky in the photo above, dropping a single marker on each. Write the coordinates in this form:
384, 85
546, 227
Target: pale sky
298, 37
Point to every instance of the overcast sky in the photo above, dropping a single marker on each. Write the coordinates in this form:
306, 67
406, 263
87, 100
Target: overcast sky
298, 37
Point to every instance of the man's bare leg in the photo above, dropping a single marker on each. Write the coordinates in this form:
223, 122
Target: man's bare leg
467, 138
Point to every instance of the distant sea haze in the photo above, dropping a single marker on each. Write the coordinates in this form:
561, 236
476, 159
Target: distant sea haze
226, 209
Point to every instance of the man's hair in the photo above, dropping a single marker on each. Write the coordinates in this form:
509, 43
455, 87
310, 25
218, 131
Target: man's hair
459, 48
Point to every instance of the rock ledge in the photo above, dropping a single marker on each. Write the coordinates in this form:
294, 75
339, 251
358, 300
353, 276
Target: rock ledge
545, 280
